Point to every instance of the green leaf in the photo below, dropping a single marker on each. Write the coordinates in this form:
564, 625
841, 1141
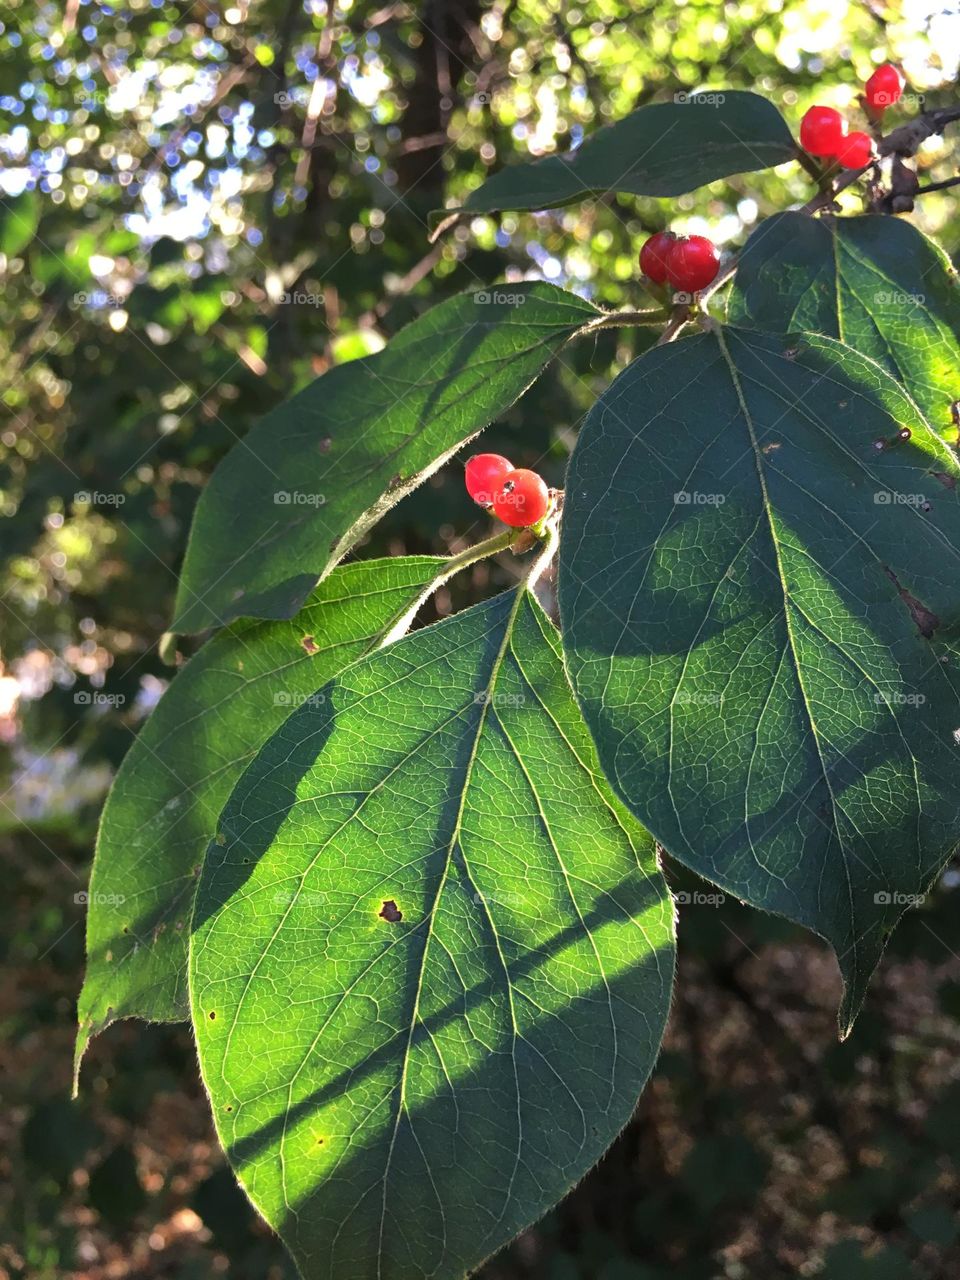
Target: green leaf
433, 955
660, 150
758, 607
292, 498
19, 219
162, 810
874, 282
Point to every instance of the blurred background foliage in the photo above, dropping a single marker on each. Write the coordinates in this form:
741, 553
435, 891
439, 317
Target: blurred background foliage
203, 206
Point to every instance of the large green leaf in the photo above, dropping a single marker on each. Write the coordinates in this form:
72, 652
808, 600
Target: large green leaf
433, 955
308, 482
660, 150
758, 606
162, 810
875, 282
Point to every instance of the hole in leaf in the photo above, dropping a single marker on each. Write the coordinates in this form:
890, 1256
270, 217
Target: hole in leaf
391, 912
309, 645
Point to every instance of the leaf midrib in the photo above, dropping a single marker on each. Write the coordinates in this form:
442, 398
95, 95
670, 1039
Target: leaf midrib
808, 710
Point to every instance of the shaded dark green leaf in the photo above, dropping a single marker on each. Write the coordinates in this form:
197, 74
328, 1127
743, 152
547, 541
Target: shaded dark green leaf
307, 483
663, 149
758, 607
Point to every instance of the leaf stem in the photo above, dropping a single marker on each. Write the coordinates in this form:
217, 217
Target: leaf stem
479, 551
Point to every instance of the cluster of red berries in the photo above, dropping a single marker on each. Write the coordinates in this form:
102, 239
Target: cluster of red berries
823, 131
518, 497
689, 263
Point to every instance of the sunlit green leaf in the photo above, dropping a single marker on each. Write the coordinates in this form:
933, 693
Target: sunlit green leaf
875, 282
162, 810
432, 957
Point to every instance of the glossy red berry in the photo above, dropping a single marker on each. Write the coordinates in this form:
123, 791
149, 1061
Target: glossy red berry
822, 130
855, 151
885, 87
653, 256
522, 499
692, 263
484, 474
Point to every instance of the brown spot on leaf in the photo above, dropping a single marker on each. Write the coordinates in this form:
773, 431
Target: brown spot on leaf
325, 444
948, 481
213, 1015
927, 621
391, 912
309, 645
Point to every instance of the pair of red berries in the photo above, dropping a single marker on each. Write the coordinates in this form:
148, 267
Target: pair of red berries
689, 263
518, 497
823, 131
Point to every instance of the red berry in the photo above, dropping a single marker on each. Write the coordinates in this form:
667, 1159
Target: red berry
484, 474
822, 130
653, 256
884, 87
692, 263
522, 499
855, 151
